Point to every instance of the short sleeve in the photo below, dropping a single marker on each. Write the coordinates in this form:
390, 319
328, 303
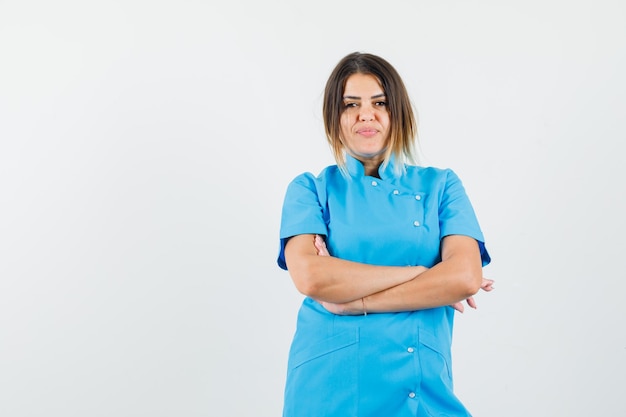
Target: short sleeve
457, 216
303, 211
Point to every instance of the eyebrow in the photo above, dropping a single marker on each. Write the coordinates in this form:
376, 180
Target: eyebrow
359, 98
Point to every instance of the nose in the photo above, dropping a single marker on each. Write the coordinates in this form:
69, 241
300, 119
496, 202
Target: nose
366, 114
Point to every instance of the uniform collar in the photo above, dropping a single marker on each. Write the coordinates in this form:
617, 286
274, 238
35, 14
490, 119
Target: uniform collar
356, 169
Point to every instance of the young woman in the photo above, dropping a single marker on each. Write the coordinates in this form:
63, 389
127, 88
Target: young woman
385, 251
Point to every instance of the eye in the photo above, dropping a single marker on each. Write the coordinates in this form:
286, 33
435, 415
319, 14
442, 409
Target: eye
381, 103
349, 104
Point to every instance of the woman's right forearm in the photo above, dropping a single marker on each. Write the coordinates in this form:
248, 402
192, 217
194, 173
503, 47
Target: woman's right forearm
330, 279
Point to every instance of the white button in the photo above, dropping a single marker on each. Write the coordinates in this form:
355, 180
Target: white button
410, 350
418, 197
396, 192
416, 223
411, 395
374, 183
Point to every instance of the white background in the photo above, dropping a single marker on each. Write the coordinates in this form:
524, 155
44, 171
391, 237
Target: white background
145, 147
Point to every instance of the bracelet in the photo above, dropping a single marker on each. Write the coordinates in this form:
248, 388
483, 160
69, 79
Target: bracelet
363, 302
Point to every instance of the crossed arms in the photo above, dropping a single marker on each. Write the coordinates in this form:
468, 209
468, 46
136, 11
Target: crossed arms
345, 287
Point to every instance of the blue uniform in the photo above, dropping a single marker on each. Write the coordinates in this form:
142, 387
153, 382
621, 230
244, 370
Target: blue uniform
392, 364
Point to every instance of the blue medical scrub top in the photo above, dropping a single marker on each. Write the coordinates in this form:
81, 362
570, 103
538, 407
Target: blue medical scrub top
391, 364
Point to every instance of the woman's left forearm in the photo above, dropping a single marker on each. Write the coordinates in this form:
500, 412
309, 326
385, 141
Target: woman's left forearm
444, 284
456, 278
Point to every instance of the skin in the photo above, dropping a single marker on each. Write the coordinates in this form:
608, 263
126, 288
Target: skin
358, 308
345, 287
365, 121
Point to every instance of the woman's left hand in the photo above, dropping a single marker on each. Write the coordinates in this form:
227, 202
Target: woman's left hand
320, 246
353, 308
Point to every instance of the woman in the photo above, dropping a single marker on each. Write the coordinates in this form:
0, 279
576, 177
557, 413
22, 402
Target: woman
384, 251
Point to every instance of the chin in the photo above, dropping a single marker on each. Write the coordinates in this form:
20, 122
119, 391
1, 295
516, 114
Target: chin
368, 155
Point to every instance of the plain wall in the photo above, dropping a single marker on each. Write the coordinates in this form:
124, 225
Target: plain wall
145, 148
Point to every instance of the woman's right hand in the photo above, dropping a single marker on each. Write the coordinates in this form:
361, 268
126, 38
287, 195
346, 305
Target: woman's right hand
344, 309
487, 285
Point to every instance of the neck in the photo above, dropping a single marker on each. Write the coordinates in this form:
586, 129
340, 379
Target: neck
371, 162
370, 167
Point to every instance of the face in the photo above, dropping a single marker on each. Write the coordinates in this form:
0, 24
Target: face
365, 120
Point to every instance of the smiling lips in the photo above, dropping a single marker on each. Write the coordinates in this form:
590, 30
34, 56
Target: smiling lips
367, 132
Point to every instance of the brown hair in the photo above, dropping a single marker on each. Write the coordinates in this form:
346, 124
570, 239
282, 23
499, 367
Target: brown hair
403, 124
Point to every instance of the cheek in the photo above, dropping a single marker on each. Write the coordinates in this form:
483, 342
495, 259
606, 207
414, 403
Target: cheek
385, 119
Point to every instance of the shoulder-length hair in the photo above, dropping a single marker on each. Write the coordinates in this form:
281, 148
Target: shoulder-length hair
403, 124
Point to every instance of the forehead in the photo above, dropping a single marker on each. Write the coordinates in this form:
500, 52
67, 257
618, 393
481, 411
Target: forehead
362, 85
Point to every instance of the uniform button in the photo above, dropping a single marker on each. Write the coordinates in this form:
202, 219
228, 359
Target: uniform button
418, 197
410, 350
396, 192
416, 223
374, 183
411, 395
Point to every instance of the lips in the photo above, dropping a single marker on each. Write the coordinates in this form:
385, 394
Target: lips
368, 132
